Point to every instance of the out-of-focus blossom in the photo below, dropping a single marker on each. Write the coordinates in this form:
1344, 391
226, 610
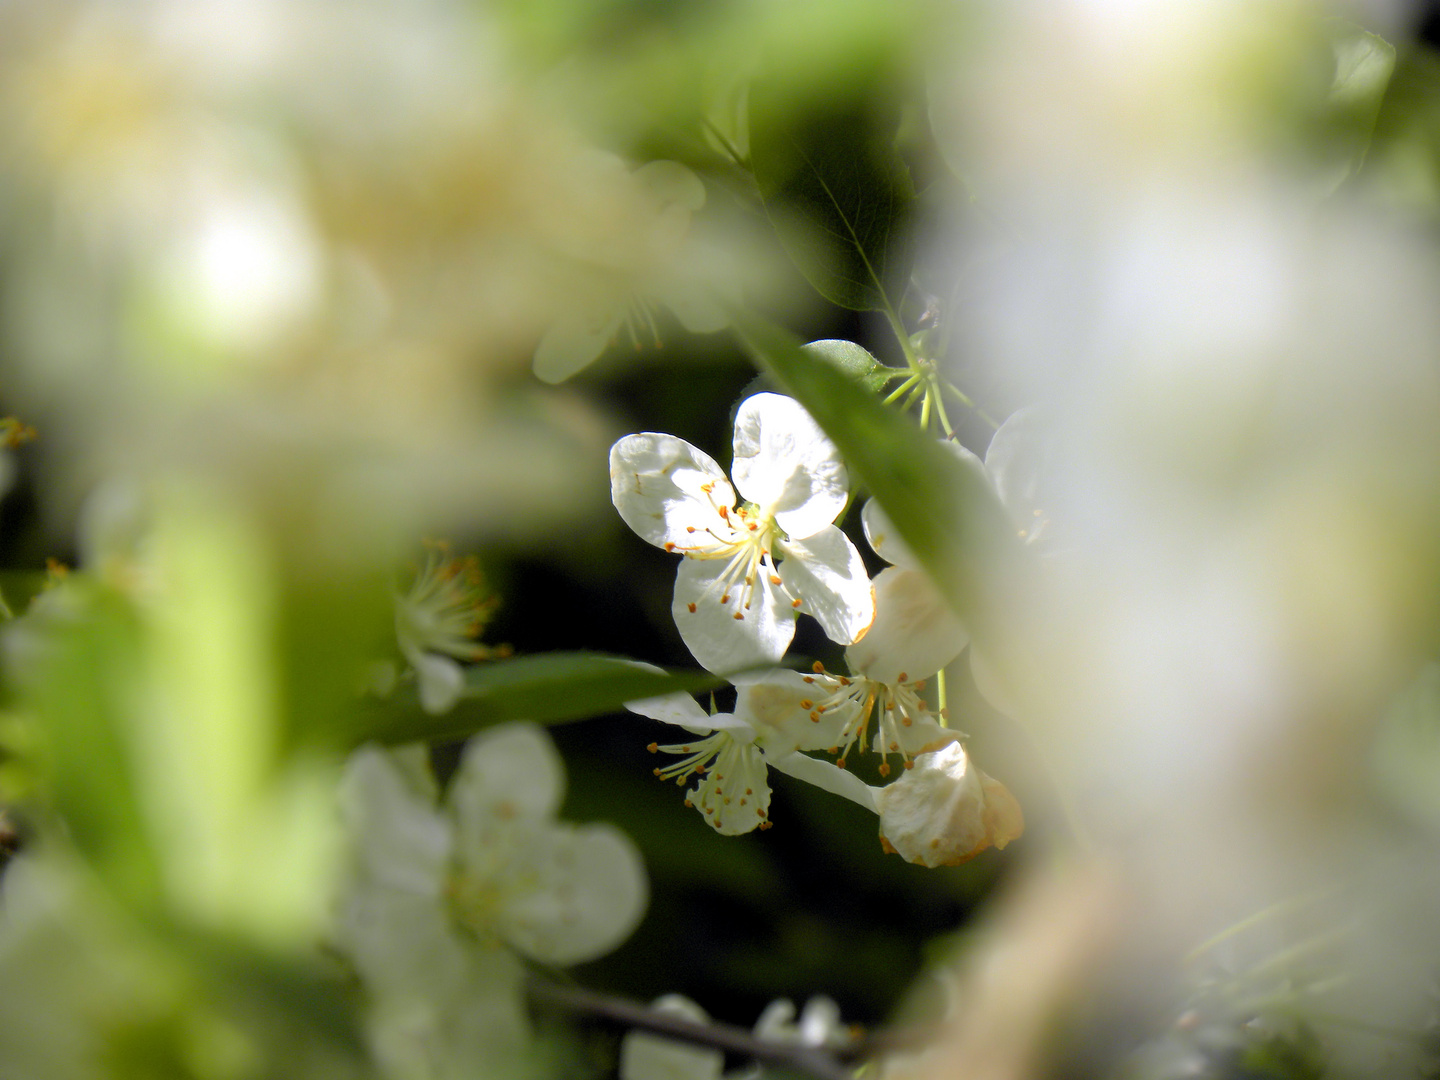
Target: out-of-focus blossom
636, 263
776, 552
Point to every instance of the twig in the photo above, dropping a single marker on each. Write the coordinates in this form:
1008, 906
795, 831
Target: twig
726, 1037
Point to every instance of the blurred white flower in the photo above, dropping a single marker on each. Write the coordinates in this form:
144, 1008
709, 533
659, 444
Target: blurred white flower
945, 811
775, 552
437, 621
653, 1057
632, 273
819, 1025
492, 859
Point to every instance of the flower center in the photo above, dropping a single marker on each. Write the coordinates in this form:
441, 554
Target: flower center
730, 774
895, 706
746, 537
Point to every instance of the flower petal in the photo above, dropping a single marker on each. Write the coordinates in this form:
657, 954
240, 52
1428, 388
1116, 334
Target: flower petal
668, 491
734, 794
884, 537
787, 466
826, 775
670, 183
576, 340
1016, 462
440, 681
506, 772
650, 1057
705, 614
781, 706
827, 574
945, 811
400, 839
682, 710
581, 891
915, 632
992, 688
695, 306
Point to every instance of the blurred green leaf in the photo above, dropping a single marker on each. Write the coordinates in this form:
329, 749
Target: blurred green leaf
838, 196
1364, 64
947, 513
82, 668
550, 688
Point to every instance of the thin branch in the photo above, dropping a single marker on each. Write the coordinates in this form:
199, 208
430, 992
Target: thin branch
726, 1037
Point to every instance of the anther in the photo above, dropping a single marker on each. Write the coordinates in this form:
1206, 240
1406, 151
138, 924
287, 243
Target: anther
920, 684
725, 512
689, 805
818, 668
749, 580
761, 812
902, 677
689, 528
810, 678
753, 526
657, 773
906, 721
691, 607
739, 615
894, 746
840, 763
795, 602
742, 801
909, 764
654, 748
844, 681
815, 717
669, 545
749, 792
774, 579
884, 769
725, 598
806, 704
727, 800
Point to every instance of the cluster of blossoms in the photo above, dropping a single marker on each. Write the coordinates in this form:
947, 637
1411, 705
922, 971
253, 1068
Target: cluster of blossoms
747, 572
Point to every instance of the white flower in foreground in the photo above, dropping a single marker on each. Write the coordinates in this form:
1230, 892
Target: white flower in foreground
437, 622
748, 570
491, 861
945, 811
734, 752
635, 266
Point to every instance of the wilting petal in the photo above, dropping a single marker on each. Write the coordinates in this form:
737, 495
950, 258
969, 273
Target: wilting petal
659, 484
650, 1057
705, 613
785, 464
915, 633
945, 811
575, 894
401, 840
828, 575
577, 339
782, 706
826, 775
507, 772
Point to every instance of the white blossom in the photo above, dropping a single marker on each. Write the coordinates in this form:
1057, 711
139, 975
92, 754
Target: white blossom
748, 570
734, 752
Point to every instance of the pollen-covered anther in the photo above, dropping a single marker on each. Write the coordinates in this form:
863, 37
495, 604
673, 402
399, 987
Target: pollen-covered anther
689, 805
689, 528
809, 678
902, 677
884, 769
920, 684
691, 606
840, 763
654, 748
739, 615
656, 772
774, 579
795, 602
761, 811
753, 526
909, 764
669, 545
806, 704
894, 746
749, 792
818, 668
724, 598
815, 717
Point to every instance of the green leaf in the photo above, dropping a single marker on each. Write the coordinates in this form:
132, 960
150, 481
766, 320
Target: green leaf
856, 363
947, 513
838, 196
83, 674
1364, 64
550, 688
